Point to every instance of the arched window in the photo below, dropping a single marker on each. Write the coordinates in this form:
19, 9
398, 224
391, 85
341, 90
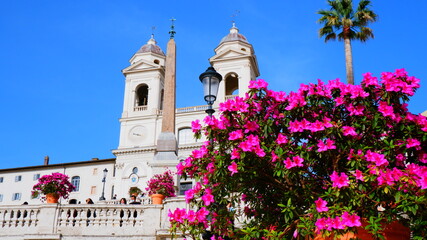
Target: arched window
185, 136
231, 85
135, 170
142, 95
76, 183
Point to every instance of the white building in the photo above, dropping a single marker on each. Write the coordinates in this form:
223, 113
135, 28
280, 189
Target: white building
140, 126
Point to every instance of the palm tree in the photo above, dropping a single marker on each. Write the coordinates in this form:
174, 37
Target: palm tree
343, 22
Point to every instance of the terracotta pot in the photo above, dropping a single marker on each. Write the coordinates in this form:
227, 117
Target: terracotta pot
393, 231
157, 198
52, 198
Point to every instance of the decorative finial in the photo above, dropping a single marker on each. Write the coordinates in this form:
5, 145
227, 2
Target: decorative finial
172, 31
152, 40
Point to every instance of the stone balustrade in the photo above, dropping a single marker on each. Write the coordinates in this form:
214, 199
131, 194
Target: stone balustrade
87, 221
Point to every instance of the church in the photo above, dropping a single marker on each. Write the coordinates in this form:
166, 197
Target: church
154, 134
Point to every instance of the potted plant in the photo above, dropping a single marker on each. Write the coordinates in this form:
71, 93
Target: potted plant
134, 191
327, 161
53, 186
161, 186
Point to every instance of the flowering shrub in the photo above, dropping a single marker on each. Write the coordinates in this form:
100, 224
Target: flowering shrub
57, 183
193, 222
161, 184
317, 161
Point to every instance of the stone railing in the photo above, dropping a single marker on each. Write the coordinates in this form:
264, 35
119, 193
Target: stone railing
99, 221
230, 96
140, 108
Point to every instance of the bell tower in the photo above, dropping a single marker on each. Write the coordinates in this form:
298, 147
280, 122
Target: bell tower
143, 96
235, 60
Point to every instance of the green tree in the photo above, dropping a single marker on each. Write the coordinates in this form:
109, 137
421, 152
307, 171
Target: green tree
347, 23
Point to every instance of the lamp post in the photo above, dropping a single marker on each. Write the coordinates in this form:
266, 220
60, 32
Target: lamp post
210, 80
102, 198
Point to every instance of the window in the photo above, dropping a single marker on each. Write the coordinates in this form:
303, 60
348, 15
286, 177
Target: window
76, 183
36, 176
95, 171
142, 95
1, 179
232, 85
185, 136
18, 178
93, 190
135, 170
16, 196
184, 186
1, 197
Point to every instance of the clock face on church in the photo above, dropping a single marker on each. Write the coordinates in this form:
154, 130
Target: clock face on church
137, 134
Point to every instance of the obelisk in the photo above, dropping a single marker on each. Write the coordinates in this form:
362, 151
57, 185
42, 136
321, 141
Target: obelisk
166, 142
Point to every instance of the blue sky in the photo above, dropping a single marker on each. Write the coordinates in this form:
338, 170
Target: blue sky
61, 88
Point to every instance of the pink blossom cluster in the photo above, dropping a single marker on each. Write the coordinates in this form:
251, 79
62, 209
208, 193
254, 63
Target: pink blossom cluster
399, 81
304, 124
162, 184
183, 216
338, 222
296, 161
57, 183
413, 175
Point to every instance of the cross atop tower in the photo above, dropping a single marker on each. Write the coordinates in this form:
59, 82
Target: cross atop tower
172, 31
233, 17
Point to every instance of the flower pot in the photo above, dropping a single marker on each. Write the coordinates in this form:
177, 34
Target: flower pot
52, 198
157, 198
393, 231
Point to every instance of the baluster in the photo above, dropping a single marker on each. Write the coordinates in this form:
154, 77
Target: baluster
3, 218
79, 218
10, 219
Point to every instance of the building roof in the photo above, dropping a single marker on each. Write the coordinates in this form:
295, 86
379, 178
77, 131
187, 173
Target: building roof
234, 35
151, 47
94, 161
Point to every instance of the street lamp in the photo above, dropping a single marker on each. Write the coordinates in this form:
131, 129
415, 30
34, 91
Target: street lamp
210, 80
102, 198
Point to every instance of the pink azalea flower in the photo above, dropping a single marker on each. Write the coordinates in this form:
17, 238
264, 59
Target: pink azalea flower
321, 205
369, 80
324, 147
202, 214
259, 152
359, 175
288, 163
196, 126
337, 223
339, 101
258, 84
281, 139
238, 134
339, 181
349, 131
189, 195
274, 157
251, 126
412, 143
233, 168
298, 161
351, 220
386, 110
322, 223
208, 198
235, 154
376, 158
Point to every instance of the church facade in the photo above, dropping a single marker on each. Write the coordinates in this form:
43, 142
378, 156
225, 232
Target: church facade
144, 109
